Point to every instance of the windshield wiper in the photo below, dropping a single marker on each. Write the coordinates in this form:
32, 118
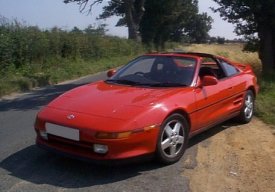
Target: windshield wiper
168, 85
129, 82
122, 81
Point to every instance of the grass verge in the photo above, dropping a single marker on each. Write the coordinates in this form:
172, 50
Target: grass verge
57, 71
265, 102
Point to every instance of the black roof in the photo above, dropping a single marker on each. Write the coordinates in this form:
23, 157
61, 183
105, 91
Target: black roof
193, 53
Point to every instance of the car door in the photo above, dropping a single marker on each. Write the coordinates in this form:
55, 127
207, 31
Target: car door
238, 85
213, 102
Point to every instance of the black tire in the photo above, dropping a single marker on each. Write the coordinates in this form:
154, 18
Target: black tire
247, 110
173, 139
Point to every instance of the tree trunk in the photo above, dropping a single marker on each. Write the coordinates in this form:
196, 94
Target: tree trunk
133, 18
133, 32
267, 50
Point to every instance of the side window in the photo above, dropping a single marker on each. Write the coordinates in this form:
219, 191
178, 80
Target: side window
229, 69
209, 66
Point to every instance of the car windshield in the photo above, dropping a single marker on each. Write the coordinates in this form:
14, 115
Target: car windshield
156, 71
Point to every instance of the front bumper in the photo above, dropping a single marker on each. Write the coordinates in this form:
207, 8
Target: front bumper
135, 145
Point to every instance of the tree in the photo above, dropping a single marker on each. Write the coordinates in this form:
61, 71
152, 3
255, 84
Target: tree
131, 12
253, 19
158, 21
198, 27
99, 30
174, 20
220, 40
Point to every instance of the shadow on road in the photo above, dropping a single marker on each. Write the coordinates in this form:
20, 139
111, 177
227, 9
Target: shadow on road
204, 136
36, 98
40, 167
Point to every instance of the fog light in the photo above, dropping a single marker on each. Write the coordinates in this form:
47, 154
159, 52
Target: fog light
43, 134
101, 149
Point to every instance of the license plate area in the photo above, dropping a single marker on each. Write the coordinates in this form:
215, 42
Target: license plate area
62, 131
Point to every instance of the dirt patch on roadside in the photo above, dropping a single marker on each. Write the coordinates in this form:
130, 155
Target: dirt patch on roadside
239, 158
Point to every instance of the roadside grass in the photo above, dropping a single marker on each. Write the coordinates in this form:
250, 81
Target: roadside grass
265, 102
231, 51
56, 71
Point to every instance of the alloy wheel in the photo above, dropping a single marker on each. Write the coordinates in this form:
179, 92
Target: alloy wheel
172, 138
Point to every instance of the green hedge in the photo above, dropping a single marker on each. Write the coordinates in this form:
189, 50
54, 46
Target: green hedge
32, 57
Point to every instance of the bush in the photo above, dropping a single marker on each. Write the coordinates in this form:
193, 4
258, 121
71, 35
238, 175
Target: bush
32, 57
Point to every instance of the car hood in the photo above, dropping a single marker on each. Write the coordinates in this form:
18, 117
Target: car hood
110, 100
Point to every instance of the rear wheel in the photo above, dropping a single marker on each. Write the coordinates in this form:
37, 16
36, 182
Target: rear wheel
247, 110
172, 139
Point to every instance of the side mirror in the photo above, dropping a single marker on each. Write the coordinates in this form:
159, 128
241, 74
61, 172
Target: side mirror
209, 80
111, 73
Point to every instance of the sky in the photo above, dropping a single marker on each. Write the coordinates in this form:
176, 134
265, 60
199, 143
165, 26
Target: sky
50, 13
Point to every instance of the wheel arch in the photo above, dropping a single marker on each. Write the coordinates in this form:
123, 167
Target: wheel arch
252, 88
160, 153
184, 114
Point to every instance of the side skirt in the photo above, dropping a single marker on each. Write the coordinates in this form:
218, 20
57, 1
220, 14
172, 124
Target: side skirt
192, 134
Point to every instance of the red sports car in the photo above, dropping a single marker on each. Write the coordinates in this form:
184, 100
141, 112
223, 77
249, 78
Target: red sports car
151, 106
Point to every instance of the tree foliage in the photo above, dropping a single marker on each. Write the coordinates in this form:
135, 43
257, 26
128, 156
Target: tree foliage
174, 20
255, 20
131, 12
158, 21
197, 28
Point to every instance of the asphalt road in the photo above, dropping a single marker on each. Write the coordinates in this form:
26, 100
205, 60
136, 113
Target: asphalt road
25, 167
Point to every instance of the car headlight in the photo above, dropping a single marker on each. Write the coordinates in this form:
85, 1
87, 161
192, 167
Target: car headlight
105, 135
122, 135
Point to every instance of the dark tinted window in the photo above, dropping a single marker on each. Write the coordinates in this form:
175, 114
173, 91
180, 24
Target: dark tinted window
209, 66
157, 70
229, 69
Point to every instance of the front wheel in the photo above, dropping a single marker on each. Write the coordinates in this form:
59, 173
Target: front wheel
247, 110
172, 140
